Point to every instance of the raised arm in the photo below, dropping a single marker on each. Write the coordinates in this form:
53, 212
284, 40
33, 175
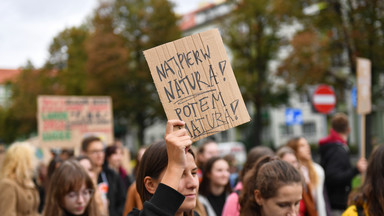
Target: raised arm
178, 141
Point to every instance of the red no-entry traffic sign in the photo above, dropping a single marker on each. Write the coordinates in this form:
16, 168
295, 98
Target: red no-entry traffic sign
324, 99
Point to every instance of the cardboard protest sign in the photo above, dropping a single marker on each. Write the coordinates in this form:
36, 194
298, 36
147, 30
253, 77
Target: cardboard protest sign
63, 121
196, 84
364, 104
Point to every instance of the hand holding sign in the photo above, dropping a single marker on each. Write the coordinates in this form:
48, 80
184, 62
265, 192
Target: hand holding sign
178, 143
196, 84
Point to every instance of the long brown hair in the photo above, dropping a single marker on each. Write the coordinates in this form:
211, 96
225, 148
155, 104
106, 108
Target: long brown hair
313, 178
205, 185
253, 156
152, 164
267, 176
69, 176
371, 192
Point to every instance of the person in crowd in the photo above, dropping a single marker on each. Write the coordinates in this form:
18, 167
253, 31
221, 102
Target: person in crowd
125, 156
71, 192
133, 198
109, 182
101, 202
271, 188
307, 205
19, 195
232, 206
53, 165
286, 153
313, 175
368, 200
233, 169
215, 187
334, 158
206, 150
167, 178
66, 153
113, 159
41, 183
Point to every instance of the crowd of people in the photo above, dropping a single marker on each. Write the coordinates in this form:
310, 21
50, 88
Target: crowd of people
174, 177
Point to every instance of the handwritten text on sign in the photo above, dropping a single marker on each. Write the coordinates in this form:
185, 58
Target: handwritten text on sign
196, 84
65, 120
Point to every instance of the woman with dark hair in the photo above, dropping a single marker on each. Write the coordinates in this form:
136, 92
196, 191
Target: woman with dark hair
70, 192
232, 207
167, 179
113, 159
271, 188
215, 187
369, 199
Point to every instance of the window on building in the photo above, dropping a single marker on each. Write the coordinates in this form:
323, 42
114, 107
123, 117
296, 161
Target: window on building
286, 130
309, 128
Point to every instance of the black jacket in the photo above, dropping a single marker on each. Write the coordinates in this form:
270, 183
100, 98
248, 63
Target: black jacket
116, 192
338, 173
165, 202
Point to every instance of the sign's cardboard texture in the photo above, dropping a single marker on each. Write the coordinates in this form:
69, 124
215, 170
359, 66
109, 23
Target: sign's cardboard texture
364, 104
63, 121
196, 84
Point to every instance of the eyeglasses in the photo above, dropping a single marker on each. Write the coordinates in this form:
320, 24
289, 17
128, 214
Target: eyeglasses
86, 194
96, 151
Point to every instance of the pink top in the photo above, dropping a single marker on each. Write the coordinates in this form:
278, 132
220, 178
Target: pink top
232, 206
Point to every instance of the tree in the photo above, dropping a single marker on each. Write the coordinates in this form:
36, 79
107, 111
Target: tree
68, 57
20, 120
107, 65
351, 29
143, 25
252, 34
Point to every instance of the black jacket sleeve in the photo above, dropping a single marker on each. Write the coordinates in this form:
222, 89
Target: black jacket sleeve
165, 202
338, 169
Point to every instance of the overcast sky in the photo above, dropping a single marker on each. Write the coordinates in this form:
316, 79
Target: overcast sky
28, 26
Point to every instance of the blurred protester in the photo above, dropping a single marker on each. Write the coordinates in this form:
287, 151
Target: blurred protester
232, 206
214, 187
286, 153
313, 174
334, 153
41, 182
271, 188
53, 165
19, 195
113, 159
167, 179
101, 202
307, 205
125, 157
133, 198
233, 169
71, 192
109, 182
66, 154
369, 198
206, 150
